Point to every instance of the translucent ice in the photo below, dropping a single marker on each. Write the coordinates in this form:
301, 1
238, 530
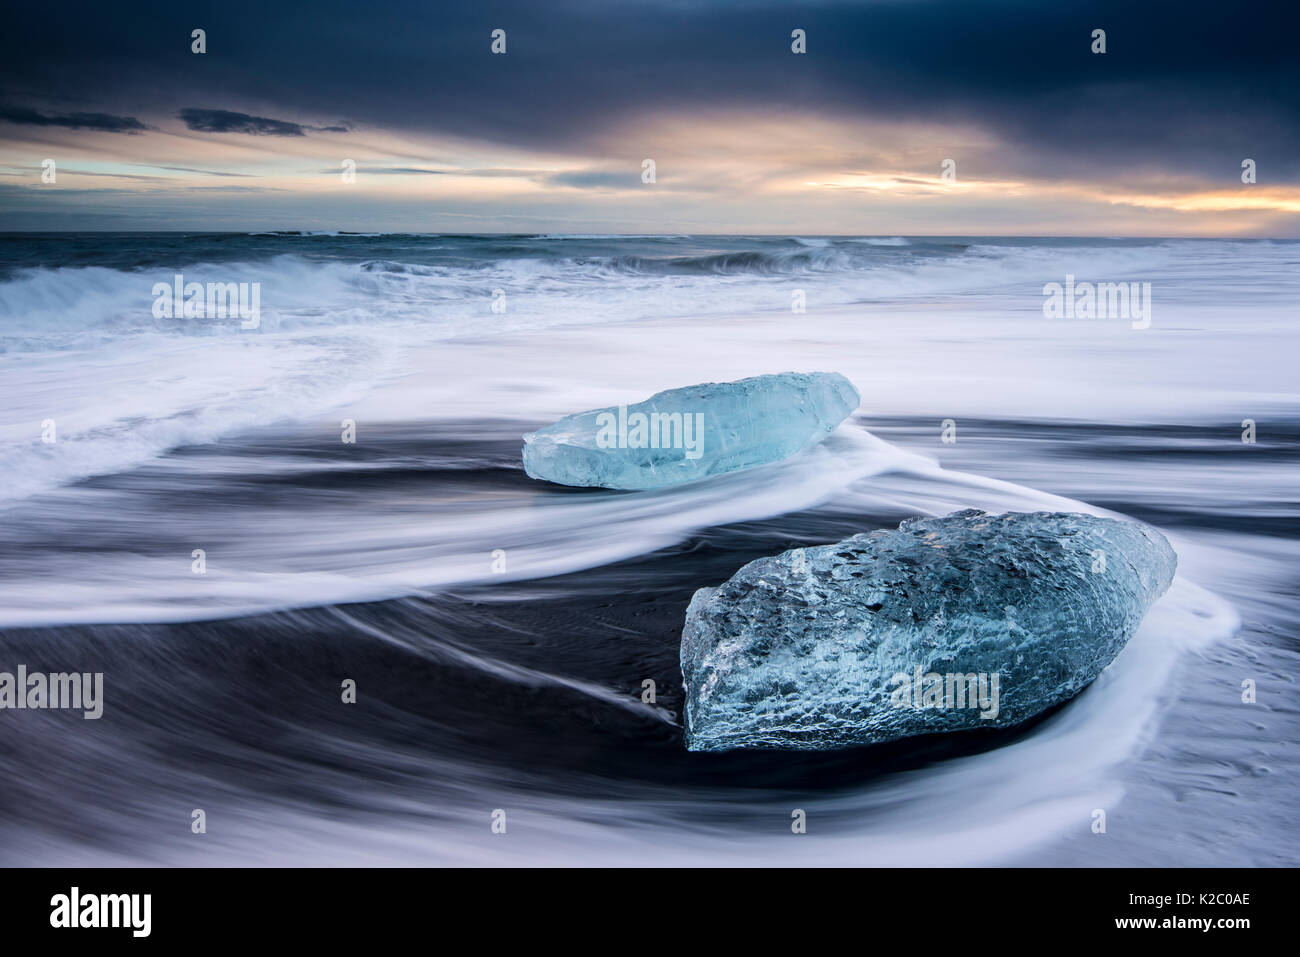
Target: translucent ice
685, 434
893, 633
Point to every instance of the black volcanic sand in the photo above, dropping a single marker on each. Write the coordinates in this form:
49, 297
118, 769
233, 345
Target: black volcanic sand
250, 708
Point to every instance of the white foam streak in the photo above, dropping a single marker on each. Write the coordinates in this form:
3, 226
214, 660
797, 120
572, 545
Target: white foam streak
360, 550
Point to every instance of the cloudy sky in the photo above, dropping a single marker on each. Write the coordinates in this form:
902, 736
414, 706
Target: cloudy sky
1047, 137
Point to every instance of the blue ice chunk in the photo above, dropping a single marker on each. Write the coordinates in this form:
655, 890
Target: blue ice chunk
893, 633
681, 435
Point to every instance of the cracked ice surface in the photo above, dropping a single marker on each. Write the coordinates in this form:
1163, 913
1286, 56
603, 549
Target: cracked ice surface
690, 433
801, 650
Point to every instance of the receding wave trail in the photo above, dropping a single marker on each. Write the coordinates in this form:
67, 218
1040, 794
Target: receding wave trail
976, 808
273, 550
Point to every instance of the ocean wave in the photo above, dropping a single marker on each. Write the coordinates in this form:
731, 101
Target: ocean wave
584, 237
882, 241
317, 233
52, 307
335, 327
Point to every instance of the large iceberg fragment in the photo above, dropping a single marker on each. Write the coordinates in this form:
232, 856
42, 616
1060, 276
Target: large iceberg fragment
685, 434
943, 624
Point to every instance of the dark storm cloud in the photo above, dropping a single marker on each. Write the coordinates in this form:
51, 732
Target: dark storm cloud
72, 121
228, 121
1184, 86
231, 121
